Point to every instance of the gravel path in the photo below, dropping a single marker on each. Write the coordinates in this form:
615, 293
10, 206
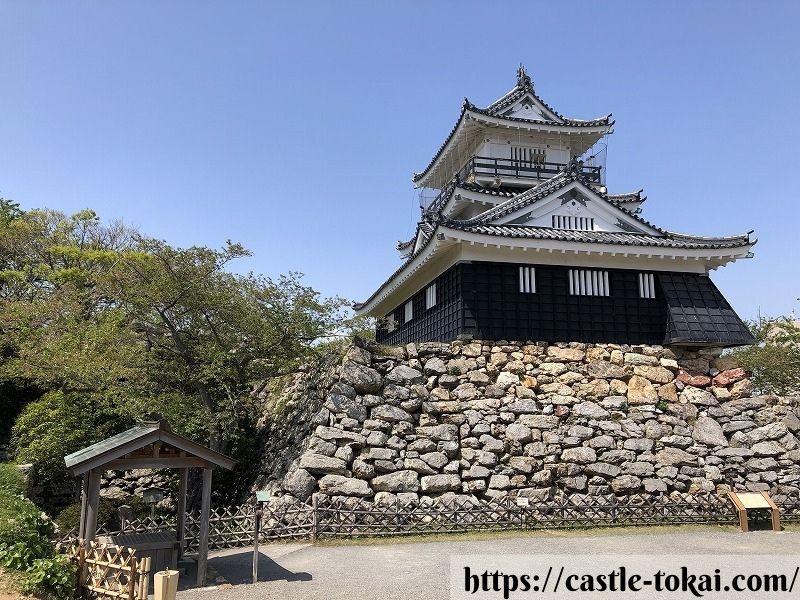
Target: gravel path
419, 569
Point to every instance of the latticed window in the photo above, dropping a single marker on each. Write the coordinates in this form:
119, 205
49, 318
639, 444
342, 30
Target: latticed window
408, 311
647, 285
570, 222
527, 280
391, 324
586, 282
522, 154
430, 296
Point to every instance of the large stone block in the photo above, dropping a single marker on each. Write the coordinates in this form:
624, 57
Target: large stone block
399, 481
364, 379
319, 463
391, 414
581, 454
641, 391
336, 485
707, 431
441, 483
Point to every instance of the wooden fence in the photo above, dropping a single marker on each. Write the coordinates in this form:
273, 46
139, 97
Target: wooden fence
109, 572
351, 517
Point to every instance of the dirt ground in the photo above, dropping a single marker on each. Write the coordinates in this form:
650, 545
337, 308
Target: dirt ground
8, 587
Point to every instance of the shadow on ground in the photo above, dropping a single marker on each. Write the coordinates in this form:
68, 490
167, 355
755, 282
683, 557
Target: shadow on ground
235, 567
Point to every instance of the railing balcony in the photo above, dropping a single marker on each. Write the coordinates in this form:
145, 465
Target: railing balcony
485, 166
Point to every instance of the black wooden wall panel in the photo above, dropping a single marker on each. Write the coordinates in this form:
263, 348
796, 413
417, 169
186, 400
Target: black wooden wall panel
482, 299
495, 308
441, 323
699, 314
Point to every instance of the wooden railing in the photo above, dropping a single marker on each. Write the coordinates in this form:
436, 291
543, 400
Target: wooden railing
522, 169
507, 167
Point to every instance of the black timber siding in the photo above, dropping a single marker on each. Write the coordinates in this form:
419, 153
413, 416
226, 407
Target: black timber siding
697, 313
495, 309
443, 322
482, 299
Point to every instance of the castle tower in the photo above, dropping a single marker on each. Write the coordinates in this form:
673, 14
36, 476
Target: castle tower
523, 242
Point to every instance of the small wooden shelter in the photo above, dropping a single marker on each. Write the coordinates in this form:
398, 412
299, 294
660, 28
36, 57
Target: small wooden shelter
150, 445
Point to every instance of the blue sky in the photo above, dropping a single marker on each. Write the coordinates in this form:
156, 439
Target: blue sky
294, 128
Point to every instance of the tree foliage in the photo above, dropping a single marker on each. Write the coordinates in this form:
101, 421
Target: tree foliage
774, 360
101, 324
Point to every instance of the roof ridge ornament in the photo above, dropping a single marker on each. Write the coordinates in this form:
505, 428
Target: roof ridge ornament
575, 166
523, 79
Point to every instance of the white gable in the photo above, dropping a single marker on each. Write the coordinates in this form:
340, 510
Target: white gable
529, 107
575, 207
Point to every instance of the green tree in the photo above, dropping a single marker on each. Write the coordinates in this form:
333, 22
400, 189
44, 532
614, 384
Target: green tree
774, 360
216, 335
105, 321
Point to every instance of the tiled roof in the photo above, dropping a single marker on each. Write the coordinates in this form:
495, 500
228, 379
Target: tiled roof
629, 197
505, 191
525, 86
492, 110
443, 198
406, 262
564, 178
527, 197
672, 240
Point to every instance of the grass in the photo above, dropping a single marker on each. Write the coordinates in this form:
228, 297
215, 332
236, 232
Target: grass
535, 533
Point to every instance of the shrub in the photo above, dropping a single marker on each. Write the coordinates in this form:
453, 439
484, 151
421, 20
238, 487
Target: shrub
107, 514
11, 479
69, 518
51, 577
25, 547
58, 424
21, 522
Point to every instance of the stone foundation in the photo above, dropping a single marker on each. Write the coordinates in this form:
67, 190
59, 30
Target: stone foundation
536, 421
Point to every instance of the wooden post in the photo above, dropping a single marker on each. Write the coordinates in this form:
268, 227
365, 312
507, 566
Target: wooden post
83, 571
397, 513
92, 505
133, 575
144, 578
256, 533
84, 491
314, 519
205, 510
181, 532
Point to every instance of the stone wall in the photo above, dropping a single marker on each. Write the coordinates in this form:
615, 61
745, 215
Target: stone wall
531, 420
293, 408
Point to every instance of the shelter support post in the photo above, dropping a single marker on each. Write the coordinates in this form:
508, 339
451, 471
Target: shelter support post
205, 510
92, 505
84, 492
181, 533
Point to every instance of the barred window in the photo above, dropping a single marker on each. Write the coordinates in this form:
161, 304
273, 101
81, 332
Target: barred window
527, 280
408, 311
586, 282
430, 296
391, 324
570, 222
647, 285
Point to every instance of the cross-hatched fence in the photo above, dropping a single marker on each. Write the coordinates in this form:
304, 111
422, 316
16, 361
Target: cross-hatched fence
324, 516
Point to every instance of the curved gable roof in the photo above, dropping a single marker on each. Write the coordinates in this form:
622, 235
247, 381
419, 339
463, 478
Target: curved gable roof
524, 87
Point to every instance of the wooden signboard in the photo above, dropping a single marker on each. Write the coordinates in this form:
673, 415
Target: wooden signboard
744, 501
